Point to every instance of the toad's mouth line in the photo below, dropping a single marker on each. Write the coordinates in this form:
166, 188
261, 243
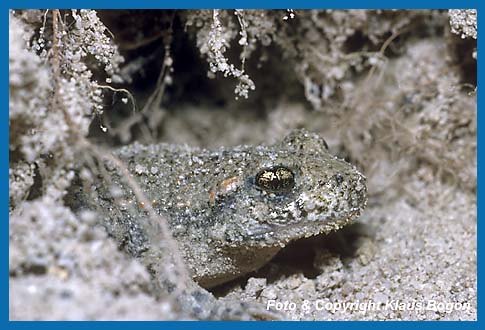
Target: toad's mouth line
281, 235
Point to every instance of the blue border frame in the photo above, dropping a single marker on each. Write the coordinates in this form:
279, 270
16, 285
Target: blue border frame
248, 4
182, 4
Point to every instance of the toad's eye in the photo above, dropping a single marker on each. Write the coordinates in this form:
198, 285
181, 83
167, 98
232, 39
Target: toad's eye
277, 179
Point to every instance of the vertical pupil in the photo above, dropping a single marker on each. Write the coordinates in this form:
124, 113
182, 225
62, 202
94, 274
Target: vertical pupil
275, 179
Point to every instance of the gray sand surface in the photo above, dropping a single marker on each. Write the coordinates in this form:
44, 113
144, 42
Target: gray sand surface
410, 128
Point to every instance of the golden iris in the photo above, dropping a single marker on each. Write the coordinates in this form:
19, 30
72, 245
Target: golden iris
277, 179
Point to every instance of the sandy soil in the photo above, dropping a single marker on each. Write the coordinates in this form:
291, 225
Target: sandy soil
410, 127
